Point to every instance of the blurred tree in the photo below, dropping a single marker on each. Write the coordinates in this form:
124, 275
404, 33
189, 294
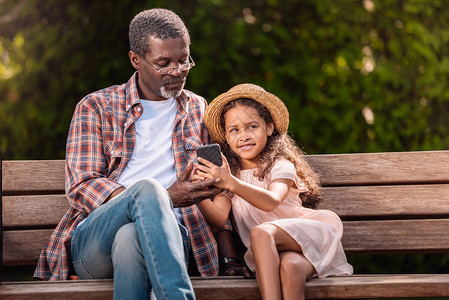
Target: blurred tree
357, 76
52, 54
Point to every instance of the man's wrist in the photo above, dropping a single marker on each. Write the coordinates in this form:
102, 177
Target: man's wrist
115, 193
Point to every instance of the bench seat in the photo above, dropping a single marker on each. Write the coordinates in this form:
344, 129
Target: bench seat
234, 287
390, 203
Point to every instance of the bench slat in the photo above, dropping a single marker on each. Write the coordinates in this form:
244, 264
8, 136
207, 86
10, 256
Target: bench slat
392, 236
387, 201
45, 290
379, 286
222, 288
32, 175
24, 246
335, 169
376, 201
33, 211
382, 168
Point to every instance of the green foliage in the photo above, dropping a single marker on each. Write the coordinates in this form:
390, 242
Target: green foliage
357, 76
52, 54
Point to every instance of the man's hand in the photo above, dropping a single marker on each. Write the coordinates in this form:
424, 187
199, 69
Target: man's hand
236, 269
185, 193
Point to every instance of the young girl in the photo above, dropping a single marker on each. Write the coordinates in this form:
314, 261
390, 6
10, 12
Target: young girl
268, 184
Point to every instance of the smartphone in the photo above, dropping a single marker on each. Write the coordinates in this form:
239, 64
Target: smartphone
211, 152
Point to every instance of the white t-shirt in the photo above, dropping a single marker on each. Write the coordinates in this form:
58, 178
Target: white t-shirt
153, 155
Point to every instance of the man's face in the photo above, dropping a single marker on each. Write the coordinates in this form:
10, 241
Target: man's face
163, 53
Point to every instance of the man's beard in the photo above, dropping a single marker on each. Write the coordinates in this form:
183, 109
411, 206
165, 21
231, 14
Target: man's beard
172, 93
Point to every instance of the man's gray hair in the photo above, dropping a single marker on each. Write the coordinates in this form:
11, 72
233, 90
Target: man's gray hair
158, 22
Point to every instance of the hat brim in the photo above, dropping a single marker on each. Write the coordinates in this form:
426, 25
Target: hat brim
275, 106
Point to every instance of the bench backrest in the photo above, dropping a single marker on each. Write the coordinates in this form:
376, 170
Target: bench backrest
390, 202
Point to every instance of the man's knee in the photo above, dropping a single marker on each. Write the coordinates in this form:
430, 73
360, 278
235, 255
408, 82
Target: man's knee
126, 244
149, 190
149, 186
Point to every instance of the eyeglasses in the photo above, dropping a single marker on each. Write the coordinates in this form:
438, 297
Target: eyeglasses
168, 70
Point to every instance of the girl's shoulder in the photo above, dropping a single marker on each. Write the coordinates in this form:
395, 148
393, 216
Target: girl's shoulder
282, 165
285, 169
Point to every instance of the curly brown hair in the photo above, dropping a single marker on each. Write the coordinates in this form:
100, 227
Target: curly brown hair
279, 145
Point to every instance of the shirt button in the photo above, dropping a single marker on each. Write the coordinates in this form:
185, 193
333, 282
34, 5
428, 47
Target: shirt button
129, 106
139, 109
112, 152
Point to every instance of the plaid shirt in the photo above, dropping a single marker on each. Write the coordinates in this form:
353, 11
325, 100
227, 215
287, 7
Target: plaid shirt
99, 146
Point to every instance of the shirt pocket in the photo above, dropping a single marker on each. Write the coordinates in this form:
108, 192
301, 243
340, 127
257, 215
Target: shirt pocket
113, 155
190, 145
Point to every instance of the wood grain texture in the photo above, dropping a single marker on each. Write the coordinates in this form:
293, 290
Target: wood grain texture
32, 175
399, 201
382, 168
396, 201
335, 169
392, 236
33, 211
225, 288
393, 203
42, 290
396, 236
22, 247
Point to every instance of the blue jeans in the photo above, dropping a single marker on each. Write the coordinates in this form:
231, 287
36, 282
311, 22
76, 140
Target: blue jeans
136, 239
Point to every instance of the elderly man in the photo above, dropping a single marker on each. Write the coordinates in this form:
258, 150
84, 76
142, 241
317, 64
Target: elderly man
128, 162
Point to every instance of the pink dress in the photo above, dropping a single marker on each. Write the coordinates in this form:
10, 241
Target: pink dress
318, 232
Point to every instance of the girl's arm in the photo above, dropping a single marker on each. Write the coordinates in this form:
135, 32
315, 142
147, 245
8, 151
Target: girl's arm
264, 199
215, 212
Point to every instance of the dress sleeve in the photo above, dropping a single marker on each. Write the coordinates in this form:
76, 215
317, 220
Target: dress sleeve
284, 169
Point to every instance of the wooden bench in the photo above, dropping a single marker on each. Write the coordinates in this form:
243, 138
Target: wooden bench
390, 203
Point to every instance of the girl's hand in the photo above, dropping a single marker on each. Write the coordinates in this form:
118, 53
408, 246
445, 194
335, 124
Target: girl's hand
196, 177
210, 171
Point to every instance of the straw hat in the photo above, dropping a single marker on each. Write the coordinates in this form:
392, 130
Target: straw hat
275, 106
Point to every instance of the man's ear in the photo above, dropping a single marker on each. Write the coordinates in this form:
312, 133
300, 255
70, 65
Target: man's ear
135, 59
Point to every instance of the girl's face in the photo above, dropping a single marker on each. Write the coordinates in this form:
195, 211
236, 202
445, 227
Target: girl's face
246, 133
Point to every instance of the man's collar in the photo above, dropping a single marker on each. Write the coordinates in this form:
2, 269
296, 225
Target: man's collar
132, 93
